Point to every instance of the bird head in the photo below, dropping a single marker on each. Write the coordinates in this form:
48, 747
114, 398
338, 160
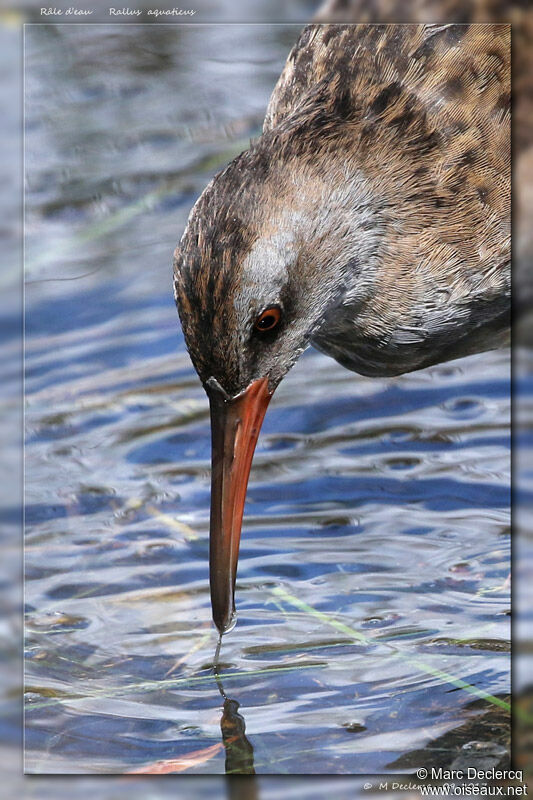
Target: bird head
259, 267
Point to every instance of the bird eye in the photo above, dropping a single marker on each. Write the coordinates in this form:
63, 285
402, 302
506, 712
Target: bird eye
268, 319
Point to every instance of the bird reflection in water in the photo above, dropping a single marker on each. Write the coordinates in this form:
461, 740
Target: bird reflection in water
239, 751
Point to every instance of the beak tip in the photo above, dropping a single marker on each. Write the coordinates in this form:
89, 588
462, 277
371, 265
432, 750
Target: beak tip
224, 626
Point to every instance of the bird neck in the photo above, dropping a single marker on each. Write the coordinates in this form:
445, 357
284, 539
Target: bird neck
336, 225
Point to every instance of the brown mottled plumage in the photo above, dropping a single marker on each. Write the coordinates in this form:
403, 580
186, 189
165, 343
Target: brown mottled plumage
373, 213
519, 14
427, 113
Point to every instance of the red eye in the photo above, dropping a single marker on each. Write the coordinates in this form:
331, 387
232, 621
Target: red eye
268, 319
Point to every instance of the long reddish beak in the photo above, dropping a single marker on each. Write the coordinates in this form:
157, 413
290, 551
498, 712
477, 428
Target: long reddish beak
235, 425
